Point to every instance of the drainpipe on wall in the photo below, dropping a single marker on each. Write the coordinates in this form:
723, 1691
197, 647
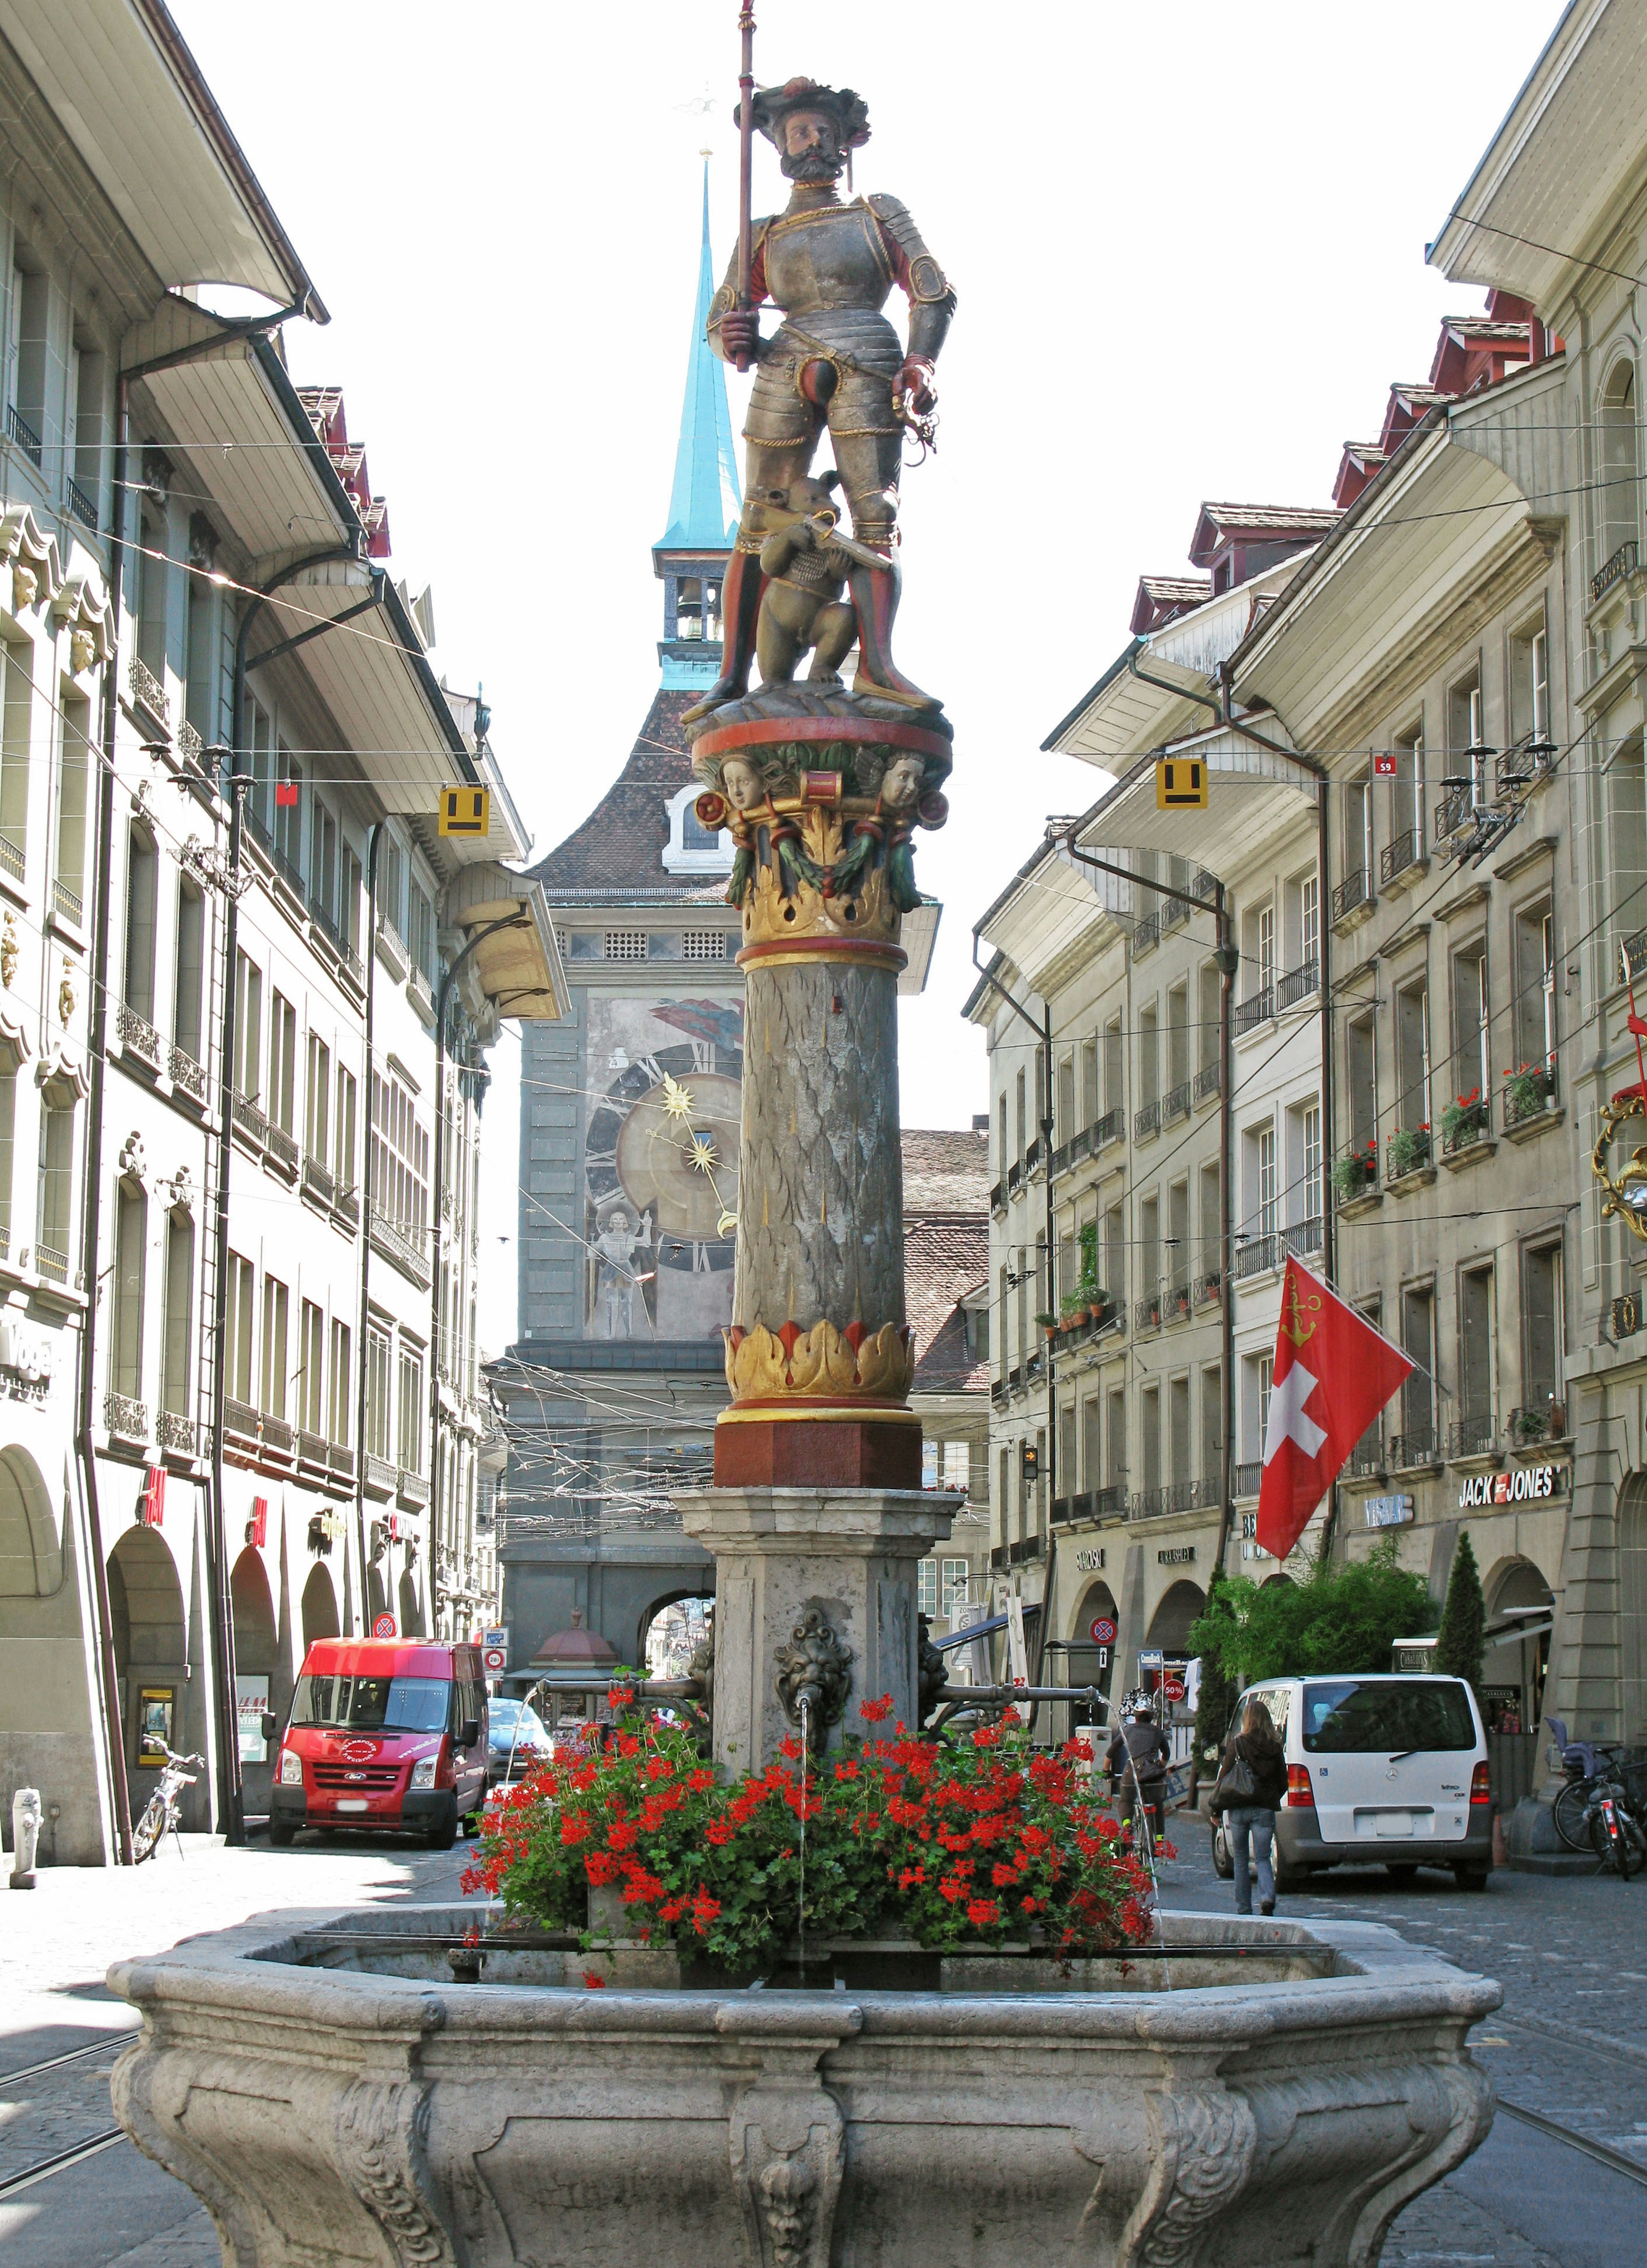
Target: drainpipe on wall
442, 999
373, 848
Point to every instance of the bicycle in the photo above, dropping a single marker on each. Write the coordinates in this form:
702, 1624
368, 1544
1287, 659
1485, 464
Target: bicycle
1616, 1835
160, 1813
1589, 1765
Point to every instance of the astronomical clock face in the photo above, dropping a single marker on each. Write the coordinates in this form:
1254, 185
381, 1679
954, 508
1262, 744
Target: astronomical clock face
660, 1165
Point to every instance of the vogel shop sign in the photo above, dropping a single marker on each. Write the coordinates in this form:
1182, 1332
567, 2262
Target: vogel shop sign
1389, 1510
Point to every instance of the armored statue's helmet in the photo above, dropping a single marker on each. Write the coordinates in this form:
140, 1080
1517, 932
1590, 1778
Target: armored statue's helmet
772, 105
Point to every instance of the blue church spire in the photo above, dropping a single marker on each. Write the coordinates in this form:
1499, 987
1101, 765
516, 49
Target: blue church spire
705, 500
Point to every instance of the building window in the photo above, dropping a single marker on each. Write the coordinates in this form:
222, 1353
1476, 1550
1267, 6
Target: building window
249, 1029
1310, 921
1412, 1057
74, 754
1266, 1187
1478, 1364
1115, 1436
1535, 986
154, 578
926, 1589
180, 1314
420, 939
344, 1130
1418, 1341
1361, 1084
377, 1394
1466, 738
55, 1197
283, 1063
323, 862
626, 944
1357, 883
1620, 506
1541, 1313
318, 1123
238, 1328
191, 972
143, 878
411, 1429
1530, 683
953, 1592
1310, 1159
288, 813
276, 1301
1150, 1401
8, 1115
1407, 793
131, 1236
1266, 948
15, 725
1472, 1064
1212, 1425
340, 1426
400, 1158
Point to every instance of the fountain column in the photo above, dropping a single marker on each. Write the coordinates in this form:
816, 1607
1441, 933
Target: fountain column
817, 1519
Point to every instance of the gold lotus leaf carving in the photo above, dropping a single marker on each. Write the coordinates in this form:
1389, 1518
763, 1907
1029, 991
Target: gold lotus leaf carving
885, 1363
820, 1362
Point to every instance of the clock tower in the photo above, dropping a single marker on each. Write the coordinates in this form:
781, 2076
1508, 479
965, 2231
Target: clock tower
629, 1115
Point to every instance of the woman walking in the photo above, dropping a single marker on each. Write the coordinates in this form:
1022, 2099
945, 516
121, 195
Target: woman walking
1252, 1780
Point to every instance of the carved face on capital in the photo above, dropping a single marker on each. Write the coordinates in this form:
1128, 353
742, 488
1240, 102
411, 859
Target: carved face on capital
809, 148
742, 785
901, 789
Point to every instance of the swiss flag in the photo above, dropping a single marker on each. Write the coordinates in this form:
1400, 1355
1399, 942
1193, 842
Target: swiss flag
1333, 1373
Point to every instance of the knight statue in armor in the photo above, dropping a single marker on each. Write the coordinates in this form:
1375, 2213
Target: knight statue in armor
829, 266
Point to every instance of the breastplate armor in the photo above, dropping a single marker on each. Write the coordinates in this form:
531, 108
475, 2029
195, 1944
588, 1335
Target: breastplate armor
833, 260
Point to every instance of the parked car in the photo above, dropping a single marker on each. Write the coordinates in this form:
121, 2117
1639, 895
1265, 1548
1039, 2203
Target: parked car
515, 1742
1381, 1769
384, 1732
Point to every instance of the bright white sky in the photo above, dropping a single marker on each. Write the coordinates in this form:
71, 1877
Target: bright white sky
1188, 244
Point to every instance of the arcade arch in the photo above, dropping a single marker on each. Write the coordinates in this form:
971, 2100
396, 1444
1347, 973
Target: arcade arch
45, 1702
675, 1637
1171, 1622
1632, 1607
318, 1608
152, 1663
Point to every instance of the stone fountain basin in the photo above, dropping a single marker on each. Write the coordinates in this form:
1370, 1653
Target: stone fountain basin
336, 2103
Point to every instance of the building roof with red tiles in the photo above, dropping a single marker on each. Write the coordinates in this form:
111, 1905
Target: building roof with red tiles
1220, 523
618, 850
946, 1251
946, 1174
1162, 598
1360, 461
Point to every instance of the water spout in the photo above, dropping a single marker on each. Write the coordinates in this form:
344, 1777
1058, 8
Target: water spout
806, 1715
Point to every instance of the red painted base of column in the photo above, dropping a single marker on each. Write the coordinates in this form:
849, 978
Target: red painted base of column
817, 1453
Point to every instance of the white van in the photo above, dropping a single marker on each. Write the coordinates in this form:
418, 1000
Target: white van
1382, 1769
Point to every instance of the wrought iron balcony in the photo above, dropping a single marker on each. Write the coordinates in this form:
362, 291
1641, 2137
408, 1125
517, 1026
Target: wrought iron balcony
1173, 910
1146, 935
1622, 562
1208, 1080
1014, 1178
998, 1198
279, 1439
1110, 1128
1146, 1315
423, 998
1175, 1103
177, 1433
1365, 1461
80, 504
11, 859
311, 1449
148, 692
1305, 1237
1474, 1436
413, 1488
1408, 1150
1415, 1448
403, 1249
52, 1264
1207, 1287
1146, 1123
1464, 1124
1247, 1014
1109, 1503
1255, 1255
1455, 812
23, 433
319, 1178
126, 1418
67, 902
1543, 1419
380, 1475
1205, 887
284, 1147
340, 1458
1522, 768
136, 1034
1071, 1152
1397, 858
1298, 984
1247, 1478
250, 1119
239, 1418
1354, 892
1033, 1158
190, 747
185, 1073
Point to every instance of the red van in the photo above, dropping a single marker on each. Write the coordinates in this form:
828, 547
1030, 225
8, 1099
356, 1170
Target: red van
383, 1733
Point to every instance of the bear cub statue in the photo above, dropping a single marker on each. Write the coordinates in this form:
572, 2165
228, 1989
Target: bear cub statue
805, 565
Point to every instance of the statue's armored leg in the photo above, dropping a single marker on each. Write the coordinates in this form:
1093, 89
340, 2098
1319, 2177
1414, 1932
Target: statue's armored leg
767, 464
869, 462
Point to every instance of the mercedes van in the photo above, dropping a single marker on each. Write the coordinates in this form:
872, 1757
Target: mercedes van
384, 1732
1382, 1769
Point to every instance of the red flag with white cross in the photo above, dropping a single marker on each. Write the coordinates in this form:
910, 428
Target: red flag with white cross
1333, 1374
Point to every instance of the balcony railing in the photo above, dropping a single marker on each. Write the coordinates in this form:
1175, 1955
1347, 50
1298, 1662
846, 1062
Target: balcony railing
1248, 1014
1523, 768
23, 433
1146, 1315
239, 1418
1475, 1436
1464, 1124
1146, 935
148, 692
1418, 1447
1351, 893
282, 1146
347, 1206
1015, 1379
396, 1245
1246, 1479
1542, 1420
11, 859
422, 998
1173, 910
1257, 1254
67, 902
1071, 1152
413, 1488
177, 1433
319, 1179
185, 1073
1621, 564
340, 1458
1110, 1128
250, 1119
311, 1449
1206, 1287
1014, 1177
1146, 1121
997, 1394
126, 1416
1365, 1461
380, 1474
1175, 1103
1033, 1158
1205, 887
80, 504
279, 1439
53, 1265
1530, 1093
998, 1198
1408, 1150
1109, 1503
1208, 1080
190, 747
1172, 1496
136, 1034
1304, 1236
1298, 984
1407, 851
1454, 813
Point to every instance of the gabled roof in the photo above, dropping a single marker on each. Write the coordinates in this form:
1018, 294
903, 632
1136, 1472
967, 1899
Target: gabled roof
1262, 523
704, 502
618, 850
1406, 405
945, 1173
1360, 461
1161, 597
1477, 350
943, 1261
325, 405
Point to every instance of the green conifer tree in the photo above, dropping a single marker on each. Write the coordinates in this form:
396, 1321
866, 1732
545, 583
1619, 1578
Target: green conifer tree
1463, 1634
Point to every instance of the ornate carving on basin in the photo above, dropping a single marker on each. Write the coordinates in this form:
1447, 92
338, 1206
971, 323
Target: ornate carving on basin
814, 1669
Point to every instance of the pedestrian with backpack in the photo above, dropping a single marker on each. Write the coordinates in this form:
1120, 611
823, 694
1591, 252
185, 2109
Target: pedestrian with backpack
1252, 1780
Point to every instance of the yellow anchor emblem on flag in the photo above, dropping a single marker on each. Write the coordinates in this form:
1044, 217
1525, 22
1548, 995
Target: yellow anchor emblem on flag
1294, 1312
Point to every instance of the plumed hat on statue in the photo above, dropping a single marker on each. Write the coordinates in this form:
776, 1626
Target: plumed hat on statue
772, 105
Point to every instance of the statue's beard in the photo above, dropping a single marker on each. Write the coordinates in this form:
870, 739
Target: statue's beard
812, 171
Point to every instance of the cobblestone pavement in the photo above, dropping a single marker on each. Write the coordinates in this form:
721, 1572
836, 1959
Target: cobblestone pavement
1570, 2041
116, 2207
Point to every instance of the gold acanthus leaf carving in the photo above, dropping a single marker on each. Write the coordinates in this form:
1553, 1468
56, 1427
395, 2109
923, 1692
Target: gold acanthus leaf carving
823, 1361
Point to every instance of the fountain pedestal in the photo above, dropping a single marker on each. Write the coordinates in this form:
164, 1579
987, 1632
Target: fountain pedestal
792, 1565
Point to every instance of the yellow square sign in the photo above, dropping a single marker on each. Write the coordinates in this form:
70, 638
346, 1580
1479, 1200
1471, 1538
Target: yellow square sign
466, 811
1181, 784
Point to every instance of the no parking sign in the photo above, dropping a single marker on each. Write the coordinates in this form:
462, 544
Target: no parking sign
1103, 1632
384, 1626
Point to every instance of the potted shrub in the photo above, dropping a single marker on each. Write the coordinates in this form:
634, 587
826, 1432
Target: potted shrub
1357, 1172
1409, 1149
1049, 1324
1528, 1091
1465, 1119
1076, 1312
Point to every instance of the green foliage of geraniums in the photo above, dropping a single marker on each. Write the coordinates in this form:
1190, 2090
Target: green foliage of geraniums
1220, 1690
978, 1839
1462, 1637
1343, 1615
